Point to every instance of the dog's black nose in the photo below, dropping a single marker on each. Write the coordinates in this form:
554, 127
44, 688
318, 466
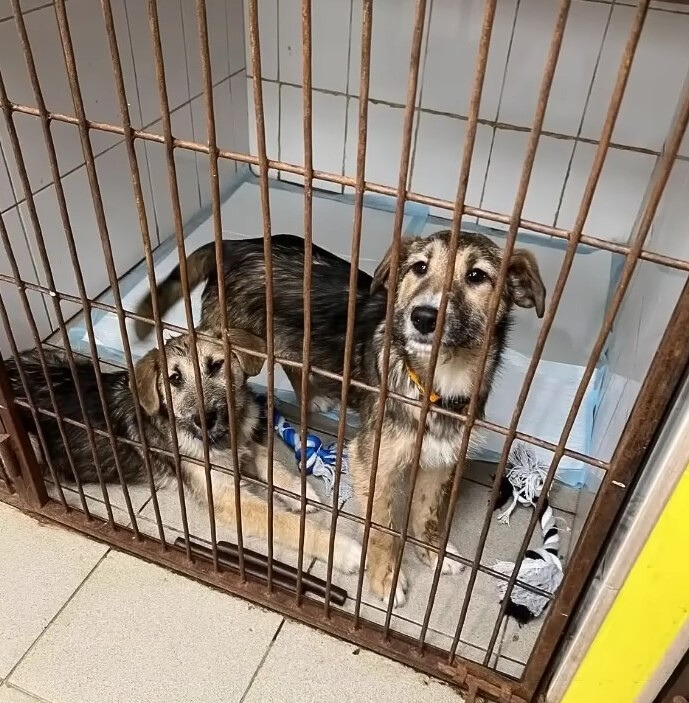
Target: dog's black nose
424, 318
211, 420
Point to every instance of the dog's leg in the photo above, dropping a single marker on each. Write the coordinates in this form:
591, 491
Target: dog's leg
347, 551
317, 402
383, 549
284, 478
427, 505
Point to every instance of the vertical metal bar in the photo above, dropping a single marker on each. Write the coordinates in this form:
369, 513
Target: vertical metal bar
70, 64
255, 42
642, 227
32, 478
220, 263
482, 59
413, 76
666, 372
79, 278
529, 159
7, 464
367, 23
575, 237
184, 277
148, 251
44, 368
308, 257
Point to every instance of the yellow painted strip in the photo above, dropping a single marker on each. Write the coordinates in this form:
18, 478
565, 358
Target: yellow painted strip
648, 613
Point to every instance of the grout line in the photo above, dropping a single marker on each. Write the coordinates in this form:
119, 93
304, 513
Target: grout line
10, 17
348, 99
417, 107
33, 696
146, 177
492, 123
667, 10
56, 616
497, 112
120, 141
263, 659
578, 138
191, 111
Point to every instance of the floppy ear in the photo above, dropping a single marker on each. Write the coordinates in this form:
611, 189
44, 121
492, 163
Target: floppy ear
524, 281
146, 379
251, 365
381, 276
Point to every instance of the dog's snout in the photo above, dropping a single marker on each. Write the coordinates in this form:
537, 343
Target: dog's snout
211, 420
424, 318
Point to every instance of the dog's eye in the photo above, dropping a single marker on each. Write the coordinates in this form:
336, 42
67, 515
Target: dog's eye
175, 378
215, 366
477, 276
419, 268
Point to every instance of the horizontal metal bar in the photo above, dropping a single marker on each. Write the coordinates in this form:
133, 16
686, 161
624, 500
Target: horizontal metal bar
485, 424
537, 227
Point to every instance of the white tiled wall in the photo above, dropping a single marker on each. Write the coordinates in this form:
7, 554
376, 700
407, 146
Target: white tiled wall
179, 36
645, 311
592, 47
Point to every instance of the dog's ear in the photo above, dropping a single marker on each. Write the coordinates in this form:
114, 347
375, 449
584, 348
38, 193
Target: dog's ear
381, 276
524, 281
146, 378
251, 365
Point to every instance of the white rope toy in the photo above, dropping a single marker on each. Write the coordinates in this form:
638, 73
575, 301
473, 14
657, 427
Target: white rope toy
320, 459
527, 476
541, 567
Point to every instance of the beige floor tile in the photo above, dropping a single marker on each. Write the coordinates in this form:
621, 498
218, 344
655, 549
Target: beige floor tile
301, 664
9, 694
139, 494
41, 567
138, 632
95, 505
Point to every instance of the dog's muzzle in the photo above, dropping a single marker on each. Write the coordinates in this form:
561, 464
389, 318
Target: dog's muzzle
424, 317
216, 425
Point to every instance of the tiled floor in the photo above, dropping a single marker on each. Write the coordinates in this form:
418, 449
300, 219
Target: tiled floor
514, 643
81, 623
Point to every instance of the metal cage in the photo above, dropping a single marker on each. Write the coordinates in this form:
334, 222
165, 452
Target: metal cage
22, 476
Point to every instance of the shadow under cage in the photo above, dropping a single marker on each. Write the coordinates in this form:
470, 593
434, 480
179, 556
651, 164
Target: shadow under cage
533, 124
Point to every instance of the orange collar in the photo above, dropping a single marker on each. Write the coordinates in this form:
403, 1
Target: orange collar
414, 378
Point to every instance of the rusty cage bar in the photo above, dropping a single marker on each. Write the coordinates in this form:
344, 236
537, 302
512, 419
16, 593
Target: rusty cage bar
21, 477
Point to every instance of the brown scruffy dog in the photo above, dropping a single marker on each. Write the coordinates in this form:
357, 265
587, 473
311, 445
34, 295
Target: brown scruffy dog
157, 420
419, 283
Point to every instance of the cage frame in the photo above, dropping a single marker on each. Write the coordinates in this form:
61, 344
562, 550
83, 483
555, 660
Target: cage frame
21, 478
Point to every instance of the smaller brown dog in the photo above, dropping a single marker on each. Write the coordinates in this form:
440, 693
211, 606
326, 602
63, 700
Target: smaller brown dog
157, 421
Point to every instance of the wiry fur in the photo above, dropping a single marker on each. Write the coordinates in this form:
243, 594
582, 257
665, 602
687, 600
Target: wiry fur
465, 328
156, 423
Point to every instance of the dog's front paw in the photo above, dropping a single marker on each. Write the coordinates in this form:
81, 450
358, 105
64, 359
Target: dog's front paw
321, 404
381, 586
450, 566
311, 495
294, 504
346, 554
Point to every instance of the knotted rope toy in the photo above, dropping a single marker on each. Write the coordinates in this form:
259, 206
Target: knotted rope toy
541, 567
320, 459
